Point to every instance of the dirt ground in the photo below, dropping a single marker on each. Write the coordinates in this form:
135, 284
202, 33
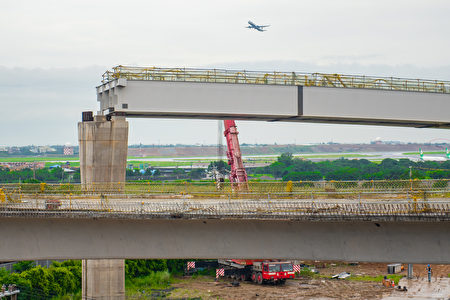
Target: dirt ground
303, 288
293, 289
375, 269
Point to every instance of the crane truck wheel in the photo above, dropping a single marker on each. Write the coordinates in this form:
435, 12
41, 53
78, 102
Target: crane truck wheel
254, 277
243, 277
260, 278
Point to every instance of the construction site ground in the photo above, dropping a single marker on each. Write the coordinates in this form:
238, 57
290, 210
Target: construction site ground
321, 287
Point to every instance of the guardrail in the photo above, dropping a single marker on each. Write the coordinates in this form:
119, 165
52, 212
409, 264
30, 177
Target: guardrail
276, 78
196, 189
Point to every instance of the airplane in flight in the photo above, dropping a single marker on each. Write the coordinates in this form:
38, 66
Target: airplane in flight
257, 27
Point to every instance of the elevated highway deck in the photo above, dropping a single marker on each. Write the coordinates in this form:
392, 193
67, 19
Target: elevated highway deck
407, 223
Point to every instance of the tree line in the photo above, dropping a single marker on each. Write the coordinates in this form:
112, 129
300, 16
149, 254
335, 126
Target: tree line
63, 278
286, 167
36, 282
289, 168
38, 175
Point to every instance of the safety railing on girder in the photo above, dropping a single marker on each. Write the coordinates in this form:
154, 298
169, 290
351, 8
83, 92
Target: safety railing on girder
364, 189
276, 78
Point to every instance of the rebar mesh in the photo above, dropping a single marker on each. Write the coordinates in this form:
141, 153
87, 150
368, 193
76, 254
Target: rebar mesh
250, 209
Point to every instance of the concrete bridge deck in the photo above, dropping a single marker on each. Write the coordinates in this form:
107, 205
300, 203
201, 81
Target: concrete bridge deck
285, 229
409, 223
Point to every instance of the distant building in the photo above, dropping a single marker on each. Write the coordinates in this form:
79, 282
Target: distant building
68, 150
14, 166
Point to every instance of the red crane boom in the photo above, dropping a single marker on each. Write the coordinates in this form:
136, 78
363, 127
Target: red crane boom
238, 175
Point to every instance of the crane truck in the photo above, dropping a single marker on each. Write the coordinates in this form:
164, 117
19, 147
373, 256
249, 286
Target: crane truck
238, 175
258, 271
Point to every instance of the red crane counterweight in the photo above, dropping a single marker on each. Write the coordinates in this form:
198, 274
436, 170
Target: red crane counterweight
238, 175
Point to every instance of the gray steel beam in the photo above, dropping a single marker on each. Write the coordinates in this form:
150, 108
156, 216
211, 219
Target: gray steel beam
162, 99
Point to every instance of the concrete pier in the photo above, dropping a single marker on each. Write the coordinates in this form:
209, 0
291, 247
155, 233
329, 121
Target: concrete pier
103, 157
103, 279
103, 151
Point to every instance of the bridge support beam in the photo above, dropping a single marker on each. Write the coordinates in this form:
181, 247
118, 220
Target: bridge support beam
103, 157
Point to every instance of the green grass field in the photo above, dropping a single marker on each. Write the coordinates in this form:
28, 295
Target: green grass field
172, 162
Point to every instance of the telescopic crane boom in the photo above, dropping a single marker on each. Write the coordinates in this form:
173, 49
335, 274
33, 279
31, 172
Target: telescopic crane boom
238, 175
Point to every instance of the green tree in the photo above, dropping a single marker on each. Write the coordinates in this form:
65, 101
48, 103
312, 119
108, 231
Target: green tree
221, 166
64, 279
197, 173
277, 169
286, 159
41, 281
23, 266
178, 173
304, 176
143, 267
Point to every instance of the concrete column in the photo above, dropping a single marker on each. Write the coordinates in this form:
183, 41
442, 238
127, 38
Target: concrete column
103, 158
103, 152
103, 279
410, 271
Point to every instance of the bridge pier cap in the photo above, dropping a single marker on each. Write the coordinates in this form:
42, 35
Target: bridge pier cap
274, 96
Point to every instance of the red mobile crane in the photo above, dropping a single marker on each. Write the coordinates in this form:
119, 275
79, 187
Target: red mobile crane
238, 175
259, 271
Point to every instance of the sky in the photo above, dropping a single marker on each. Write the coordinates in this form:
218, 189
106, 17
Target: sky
53, 54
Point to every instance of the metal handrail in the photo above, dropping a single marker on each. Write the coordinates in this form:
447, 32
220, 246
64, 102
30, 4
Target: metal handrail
276, 78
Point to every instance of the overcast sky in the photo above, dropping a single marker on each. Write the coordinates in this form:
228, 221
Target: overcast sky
52, 55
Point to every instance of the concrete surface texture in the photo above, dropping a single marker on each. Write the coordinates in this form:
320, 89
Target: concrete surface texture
97, 238
103, 279
103, 150
103, 156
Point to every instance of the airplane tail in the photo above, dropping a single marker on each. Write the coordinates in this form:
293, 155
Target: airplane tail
421, 153
447, 153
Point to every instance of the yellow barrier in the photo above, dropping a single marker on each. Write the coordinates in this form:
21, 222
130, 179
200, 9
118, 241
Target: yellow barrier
2, 196
42, 186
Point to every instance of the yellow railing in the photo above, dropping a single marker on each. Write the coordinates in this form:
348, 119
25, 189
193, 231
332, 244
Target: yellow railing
276, 78
368, 189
